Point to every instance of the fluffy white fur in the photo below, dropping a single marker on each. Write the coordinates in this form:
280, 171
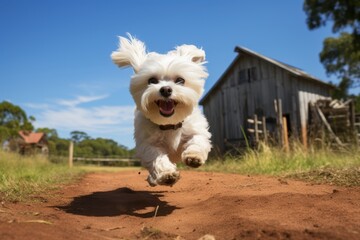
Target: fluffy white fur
160, 150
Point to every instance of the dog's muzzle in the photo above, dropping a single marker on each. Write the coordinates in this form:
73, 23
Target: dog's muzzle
166, 107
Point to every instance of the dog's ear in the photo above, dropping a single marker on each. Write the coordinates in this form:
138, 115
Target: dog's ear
131, 52
196, 55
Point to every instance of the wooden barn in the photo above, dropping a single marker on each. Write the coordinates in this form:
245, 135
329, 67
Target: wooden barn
249, 86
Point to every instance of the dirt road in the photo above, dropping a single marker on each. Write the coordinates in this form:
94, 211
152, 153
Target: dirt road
226, 206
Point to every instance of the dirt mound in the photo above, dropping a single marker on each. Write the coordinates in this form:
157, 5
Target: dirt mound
226, 206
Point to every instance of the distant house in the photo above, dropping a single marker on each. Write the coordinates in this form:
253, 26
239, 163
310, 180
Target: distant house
249, 86
32, 142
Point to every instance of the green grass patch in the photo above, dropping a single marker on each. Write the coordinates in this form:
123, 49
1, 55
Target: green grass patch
320, 165
22, 177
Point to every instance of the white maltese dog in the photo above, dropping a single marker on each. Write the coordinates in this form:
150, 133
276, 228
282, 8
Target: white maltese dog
169, 126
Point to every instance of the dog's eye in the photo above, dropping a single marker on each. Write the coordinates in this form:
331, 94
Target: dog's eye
180, 81
153, 81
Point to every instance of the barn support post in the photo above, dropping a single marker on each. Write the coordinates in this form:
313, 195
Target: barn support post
71, 153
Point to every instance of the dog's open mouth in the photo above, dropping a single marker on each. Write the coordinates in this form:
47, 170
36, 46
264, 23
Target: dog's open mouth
166, 107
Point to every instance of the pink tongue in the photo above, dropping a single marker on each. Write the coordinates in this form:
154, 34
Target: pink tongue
166, 107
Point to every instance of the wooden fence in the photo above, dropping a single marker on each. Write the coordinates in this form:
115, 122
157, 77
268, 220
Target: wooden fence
99, 161
334, 119
259, 129
109, 161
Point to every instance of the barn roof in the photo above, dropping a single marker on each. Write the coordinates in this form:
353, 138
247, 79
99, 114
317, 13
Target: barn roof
296, 71
31, 137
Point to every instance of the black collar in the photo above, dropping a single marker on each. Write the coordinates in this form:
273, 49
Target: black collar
170, 126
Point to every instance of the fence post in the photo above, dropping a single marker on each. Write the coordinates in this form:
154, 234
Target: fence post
71, 153
264, 129
285, 135
256, 128
278, 110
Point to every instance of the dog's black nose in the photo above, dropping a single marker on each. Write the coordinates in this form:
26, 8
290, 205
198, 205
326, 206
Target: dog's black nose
166, 91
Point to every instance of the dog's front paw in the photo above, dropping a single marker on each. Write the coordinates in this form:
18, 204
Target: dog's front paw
193, 162
192, 159
168, 179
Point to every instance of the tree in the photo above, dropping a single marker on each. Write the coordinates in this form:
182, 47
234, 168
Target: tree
340, 58
340, 55
61, 146
343, 13
13, 118
78, 136
101, 147
341, 92
4, 134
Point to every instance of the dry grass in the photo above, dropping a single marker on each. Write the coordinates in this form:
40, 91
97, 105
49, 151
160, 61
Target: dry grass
23, 177
348, 177
316, 165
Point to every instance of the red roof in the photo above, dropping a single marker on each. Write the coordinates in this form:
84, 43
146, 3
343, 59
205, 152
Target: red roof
31, 137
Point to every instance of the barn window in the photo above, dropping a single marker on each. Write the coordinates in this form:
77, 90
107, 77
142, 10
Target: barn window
252, 74
243, 76
248, 75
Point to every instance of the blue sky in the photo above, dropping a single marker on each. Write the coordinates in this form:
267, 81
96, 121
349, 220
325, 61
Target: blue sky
55, 55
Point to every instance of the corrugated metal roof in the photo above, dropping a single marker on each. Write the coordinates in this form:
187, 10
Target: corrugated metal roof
292, 69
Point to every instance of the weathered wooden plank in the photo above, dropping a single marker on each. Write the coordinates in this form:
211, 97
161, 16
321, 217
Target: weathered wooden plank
328, 126
254, 131
338, 116
253, 121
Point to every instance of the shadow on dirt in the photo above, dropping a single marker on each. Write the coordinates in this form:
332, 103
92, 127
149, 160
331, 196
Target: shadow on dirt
122, 201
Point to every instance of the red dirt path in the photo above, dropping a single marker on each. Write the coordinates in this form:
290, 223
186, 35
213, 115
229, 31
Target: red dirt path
122, 206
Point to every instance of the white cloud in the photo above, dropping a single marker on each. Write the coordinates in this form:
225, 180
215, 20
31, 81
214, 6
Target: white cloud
124, 113
40, 106
98, 119
79, 100
106, 121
